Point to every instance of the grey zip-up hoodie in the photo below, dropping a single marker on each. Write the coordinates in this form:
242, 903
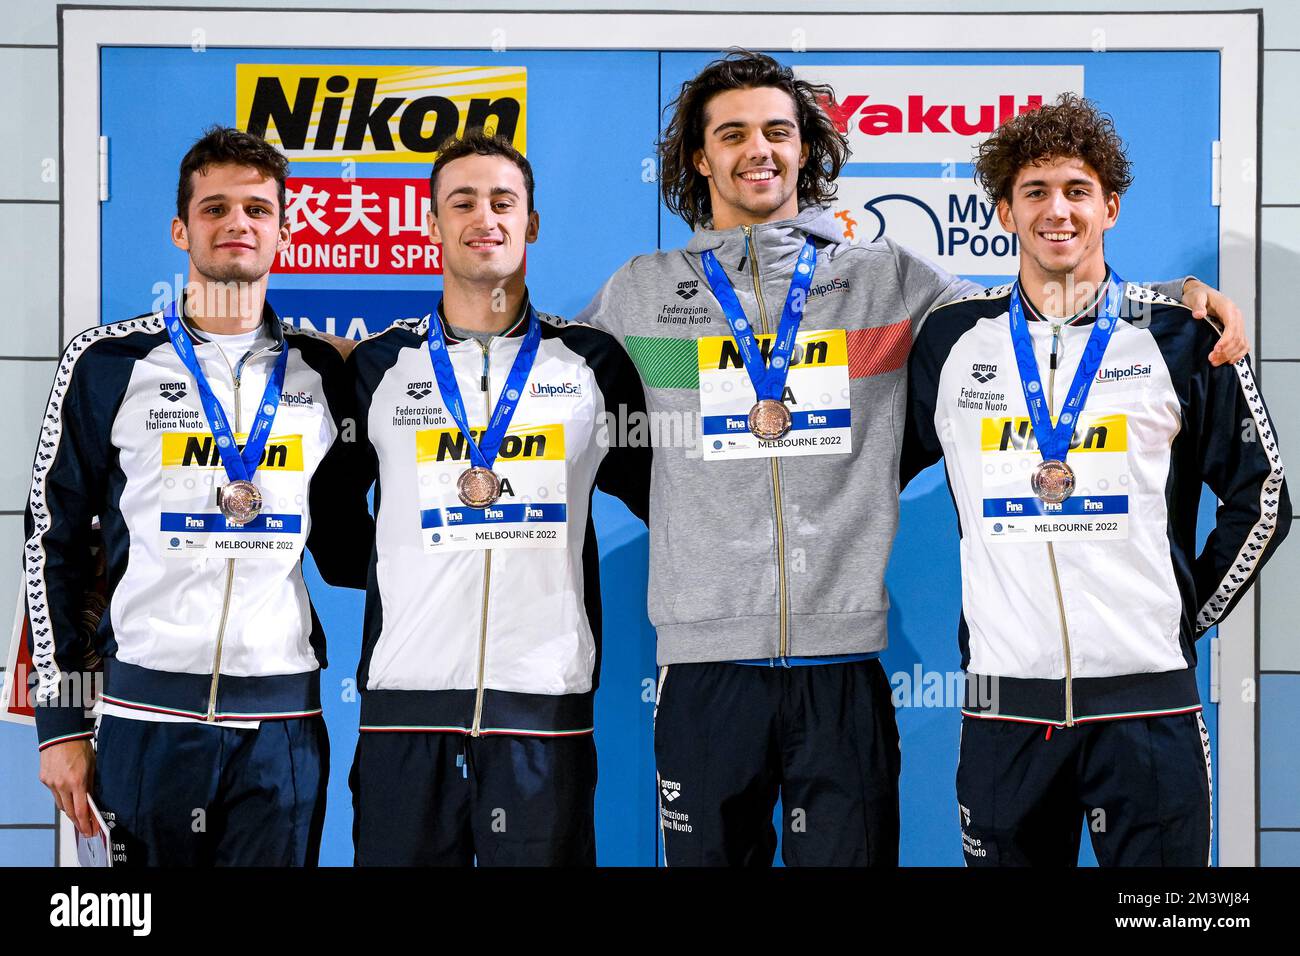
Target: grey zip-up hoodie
772, 557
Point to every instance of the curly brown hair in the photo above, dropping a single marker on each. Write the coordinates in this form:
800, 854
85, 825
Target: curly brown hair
686, 191
1070, 127
222, 145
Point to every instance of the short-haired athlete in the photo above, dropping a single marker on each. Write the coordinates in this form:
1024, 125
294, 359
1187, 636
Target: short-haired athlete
209, 440
484, 424
769, 537
1078, 418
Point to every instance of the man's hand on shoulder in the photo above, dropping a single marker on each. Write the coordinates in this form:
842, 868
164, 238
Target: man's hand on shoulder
1204, 300
344, 346
68, 770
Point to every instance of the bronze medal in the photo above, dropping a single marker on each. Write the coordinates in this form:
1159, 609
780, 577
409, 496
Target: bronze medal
769, 419
240, 502
478, 487
1052, 481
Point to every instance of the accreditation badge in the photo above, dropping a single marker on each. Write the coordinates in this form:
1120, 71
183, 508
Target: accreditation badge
531, 510
1097, 509
816, 392
192, 522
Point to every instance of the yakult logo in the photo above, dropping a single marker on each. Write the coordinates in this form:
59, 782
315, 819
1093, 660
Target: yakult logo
933, 114
920, 116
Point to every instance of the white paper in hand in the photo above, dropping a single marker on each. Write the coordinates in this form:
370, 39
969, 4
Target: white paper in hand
97, 850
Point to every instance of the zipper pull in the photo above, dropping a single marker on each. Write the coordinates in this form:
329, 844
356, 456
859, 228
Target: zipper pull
745, 258
1056, 337
483, 380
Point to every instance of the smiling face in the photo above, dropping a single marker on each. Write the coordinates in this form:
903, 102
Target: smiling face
1060, 211
752, 155
482, 220
233, 231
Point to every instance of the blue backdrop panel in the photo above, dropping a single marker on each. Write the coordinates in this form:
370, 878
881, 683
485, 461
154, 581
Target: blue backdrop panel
599, 206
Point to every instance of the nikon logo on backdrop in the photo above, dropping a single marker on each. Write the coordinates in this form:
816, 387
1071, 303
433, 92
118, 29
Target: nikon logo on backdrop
394, 114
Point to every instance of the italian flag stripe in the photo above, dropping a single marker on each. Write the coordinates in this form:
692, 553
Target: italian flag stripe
665, 362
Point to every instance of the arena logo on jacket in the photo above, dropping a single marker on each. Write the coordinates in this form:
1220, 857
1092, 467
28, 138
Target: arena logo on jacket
192, 524
532, 511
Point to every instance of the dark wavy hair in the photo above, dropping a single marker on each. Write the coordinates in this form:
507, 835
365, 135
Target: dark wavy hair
476, 142
222, 145
1070, 127
686, 191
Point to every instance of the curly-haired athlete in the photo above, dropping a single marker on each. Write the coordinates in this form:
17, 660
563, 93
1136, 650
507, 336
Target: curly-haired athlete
768, 543
1077, 477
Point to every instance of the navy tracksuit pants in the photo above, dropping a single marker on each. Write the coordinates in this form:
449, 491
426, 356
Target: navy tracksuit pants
1141, 785
447, 799
188, 794
730, 738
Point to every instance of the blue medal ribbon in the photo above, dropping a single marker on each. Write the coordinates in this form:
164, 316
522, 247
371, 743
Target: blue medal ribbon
240, 464
768, 380
1054, 440
484, 455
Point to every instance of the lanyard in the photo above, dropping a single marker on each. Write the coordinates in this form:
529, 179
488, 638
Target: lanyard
485, 455
768, 380
1054, 440
240, 464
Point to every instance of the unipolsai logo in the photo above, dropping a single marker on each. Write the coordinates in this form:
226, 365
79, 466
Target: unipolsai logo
1129, 373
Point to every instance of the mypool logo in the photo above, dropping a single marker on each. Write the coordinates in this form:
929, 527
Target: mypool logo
947, 220
1131, 373
561, 390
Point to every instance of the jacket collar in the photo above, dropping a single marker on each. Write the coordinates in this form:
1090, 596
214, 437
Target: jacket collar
516, 330
270, 325
1085, 316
